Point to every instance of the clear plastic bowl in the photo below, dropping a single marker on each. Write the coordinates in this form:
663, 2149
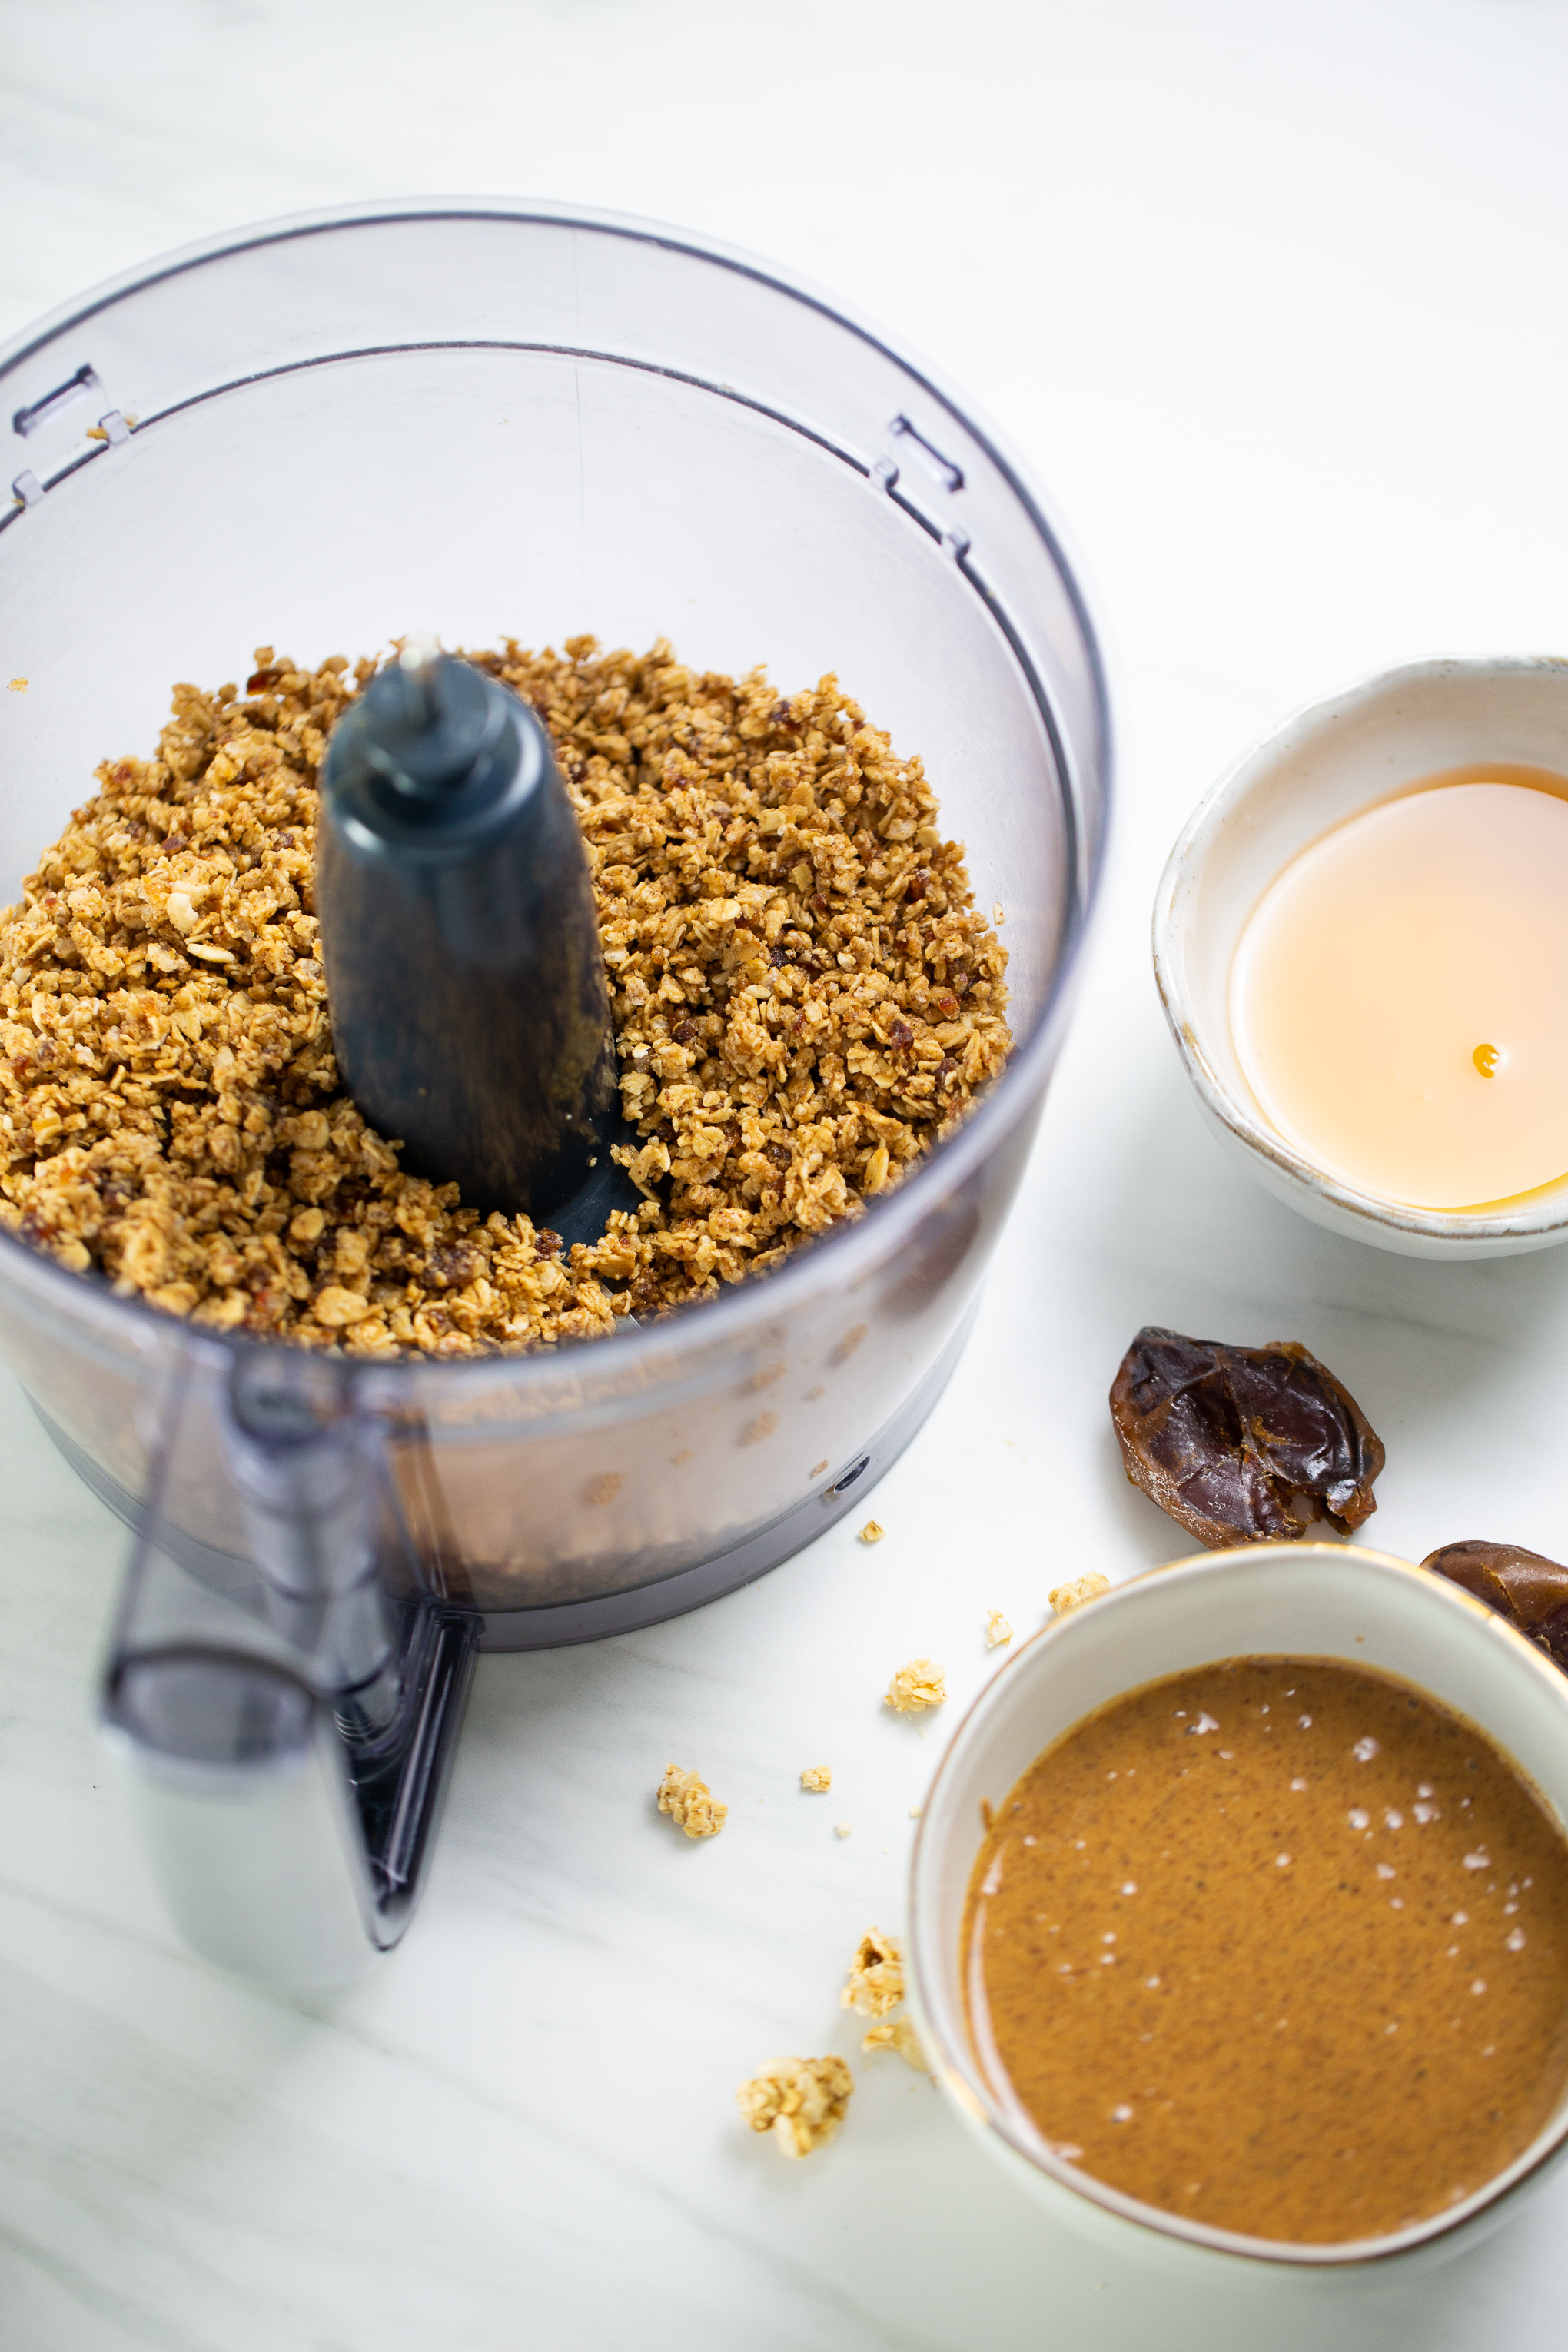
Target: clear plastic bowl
504, 418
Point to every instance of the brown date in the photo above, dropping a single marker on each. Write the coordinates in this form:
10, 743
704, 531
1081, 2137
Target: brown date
1531, 1592
1233, 1442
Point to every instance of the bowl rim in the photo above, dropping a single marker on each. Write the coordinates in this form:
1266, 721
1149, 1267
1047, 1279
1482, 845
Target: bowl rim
859, 1245
1455, 1227
958, 2075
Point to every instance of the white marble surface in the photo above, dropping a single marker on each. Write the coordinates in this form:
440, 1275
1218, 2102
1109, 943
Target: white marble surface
1272, 299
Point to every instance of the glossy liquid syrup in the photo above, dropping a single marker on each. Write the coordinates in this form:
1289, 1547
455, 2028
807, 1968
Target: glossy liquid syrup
1399, 997
1278, 1945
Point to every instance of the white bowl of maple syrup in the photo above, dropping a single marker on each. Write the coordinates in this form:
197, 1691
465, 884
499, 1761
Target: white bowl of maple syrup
1382, 876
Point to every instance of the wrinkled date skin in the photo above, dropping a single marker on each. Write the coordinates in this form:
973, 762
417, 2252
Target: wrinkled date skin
1529, 1591
1227, 1440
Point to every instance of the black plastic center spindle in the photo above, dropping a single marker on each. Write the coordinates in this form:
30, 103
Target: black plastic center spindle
465, 975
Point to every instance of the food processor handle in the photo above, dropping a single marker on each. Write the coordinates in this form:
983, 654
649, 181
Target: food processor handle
284, 1721
260, 1865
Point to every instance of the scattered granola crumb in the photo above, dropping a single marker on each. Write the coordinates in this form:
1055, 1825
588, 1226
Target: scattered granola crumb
998, 1630
898, 2034
915, 1812
689, 1804
919, 1685
1068, 1597
802, 2101
843, 1829
16, 685
804, 999
818, 1467
872, 1532
817, 1776
876, 1981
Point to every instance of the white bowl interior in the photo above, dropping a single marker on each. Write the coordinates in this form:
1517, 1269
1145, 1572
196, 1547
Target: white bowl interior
1316, 1600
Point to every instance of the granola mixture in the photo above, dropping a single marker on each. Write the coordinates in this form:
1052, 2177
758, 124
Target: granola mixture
691, 1804
802, 2101
919, 1685
998, 1630
1068, 1597
805, 998
818, 1776
876, 1975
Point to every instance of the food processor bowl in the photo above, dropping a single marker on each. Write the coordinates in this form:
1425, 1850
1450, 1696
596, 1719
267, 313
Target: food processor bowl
506, 418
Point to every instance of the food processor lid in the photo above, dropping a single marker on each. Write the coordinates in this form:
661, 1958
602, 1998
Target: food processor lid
50, 409
79, 382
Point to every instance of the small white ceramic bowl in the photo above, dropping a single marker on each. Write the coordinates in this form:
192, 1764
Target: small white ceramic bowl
1321, 767
1303, 1600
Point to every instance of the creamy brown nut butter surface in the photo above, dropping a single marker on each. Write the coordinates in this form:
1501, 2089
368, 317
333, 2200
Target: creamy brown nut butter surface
1278, 1945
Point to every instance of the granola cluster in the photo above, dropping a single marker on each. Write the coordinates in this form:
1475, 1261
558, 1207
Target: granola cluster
897, 2033
916, 1687
1065, 1598
805, 998
802, 2101
875, 1987
876, 1983
690, 1804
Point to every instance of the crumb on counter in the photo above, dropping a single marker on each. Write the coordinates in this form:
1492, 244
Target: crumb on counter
16, 685
843, 1829
690, 1804
872, 1532
876, 1983
817, 1776
1068, 1597
915, 1812
899, 2033
919, 1685
801, 2101
804, 999
998, 1630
